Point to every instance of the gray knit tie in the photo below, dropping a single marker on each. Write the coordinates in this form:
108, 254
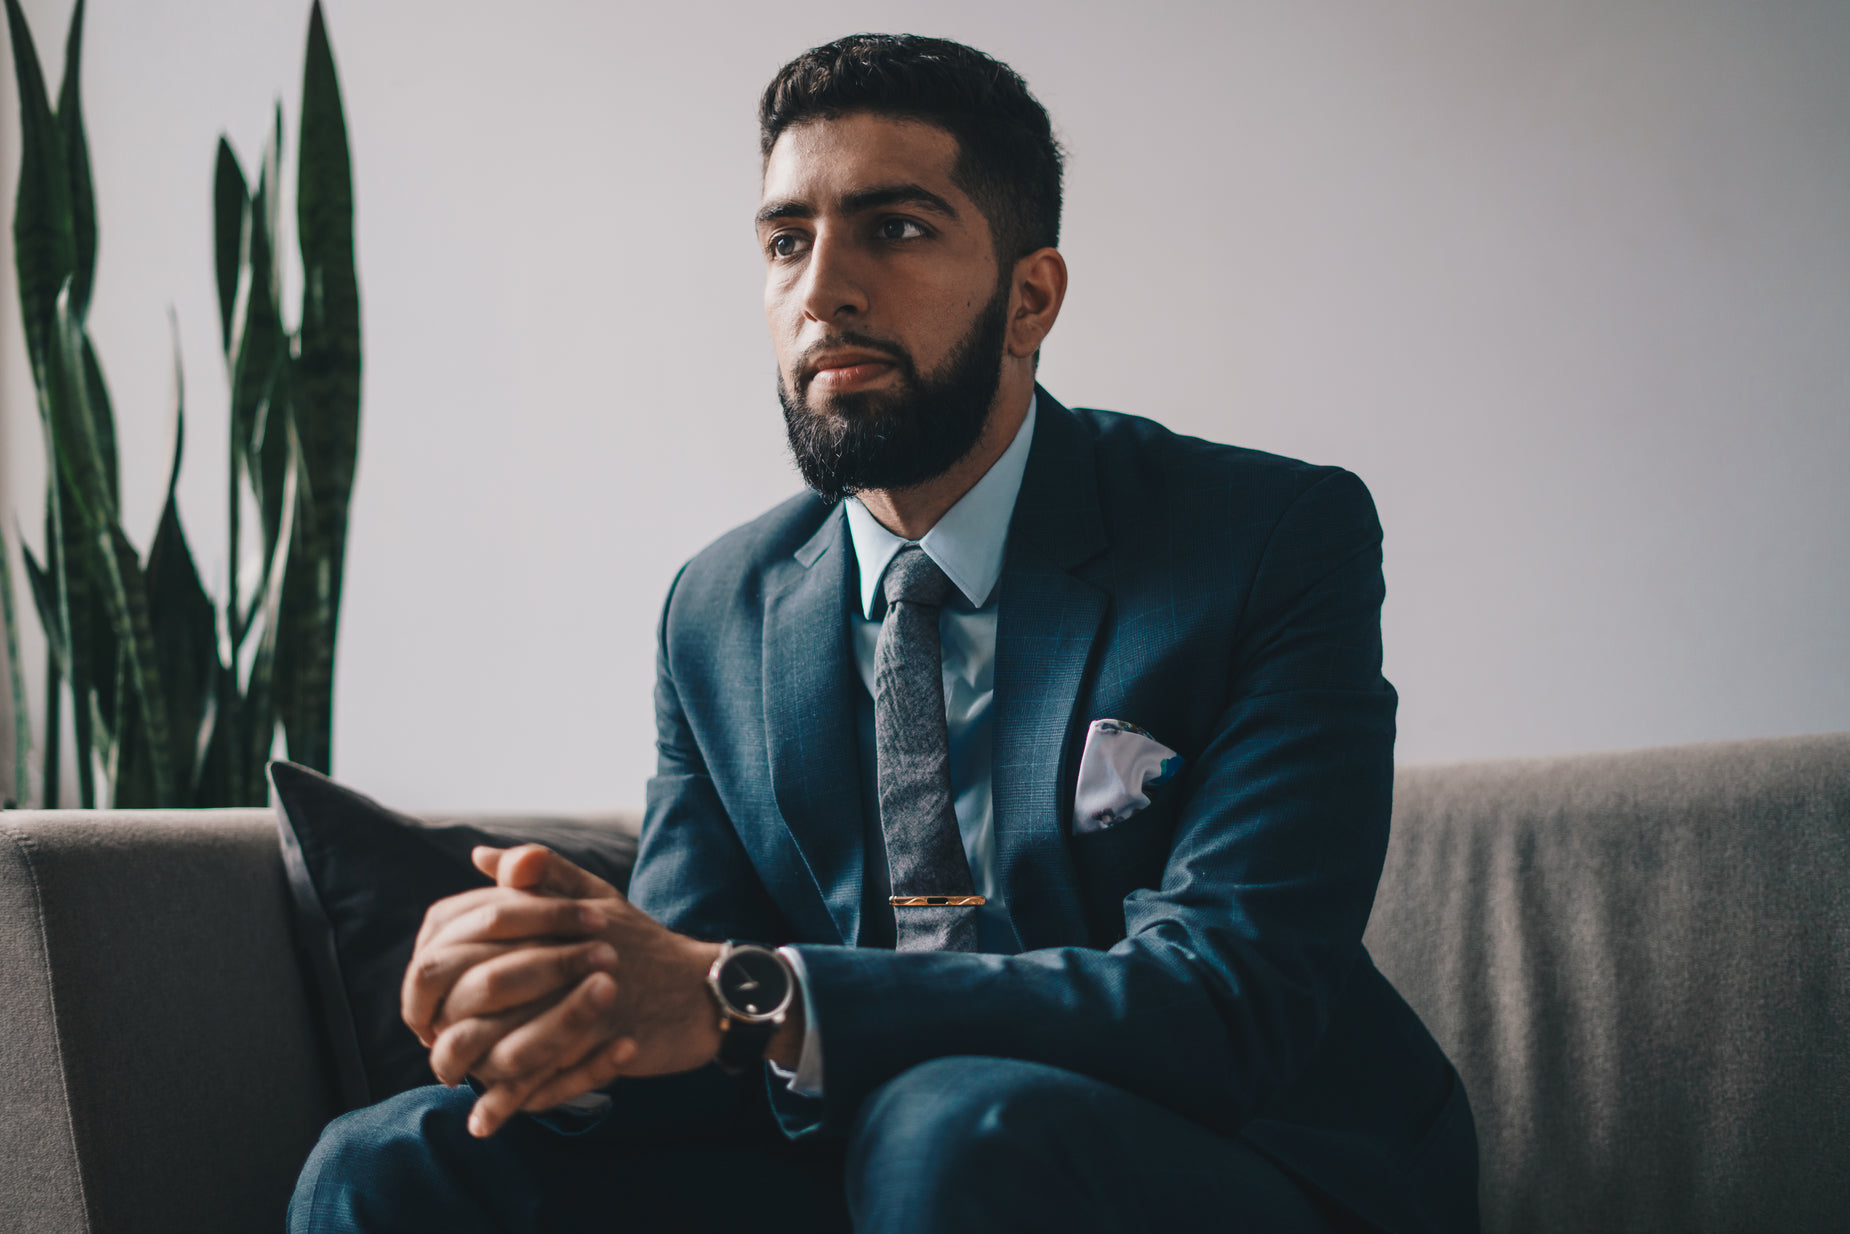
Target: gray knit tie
924, 849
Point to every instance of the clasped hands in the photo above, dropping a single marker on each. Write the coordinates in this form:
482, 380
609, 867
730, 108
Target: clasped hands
551, 984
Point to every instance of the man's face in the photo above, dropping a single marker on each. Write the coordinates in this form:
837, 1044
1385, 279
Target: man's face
884, 299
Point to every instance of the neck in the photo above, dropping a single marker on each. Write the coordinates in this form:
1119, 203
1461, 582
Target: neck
911, 512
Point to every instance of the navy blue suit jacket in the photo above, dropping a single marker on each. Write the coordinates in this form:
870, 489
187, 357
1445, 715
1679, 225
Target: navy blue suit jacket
1206, 953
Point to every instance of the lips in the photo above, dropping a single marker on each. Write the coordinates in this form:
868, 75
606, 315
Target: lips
836, 371
849, 374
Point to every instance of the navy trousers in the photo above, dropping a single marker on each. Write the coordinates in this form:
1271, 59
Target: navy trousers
956, 1144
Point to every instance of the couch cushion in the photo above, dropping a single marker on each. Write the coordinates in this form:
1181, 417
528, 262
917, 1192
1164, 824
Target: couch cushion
1640, 964
360, 878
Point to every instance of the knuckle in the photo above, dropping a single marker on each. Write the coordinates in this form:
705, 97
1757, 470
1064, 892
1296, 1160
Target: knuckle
496, 985
524, 1057
582, 1013
470, 989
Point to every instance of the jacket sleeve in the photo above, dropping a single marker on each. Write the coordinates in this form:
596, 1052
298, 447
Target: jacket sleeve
694, 876
692, 873
1218, 996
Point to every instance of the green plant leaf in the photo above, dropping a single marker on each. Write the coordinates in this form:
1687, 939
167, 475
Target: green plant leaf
210, 790
129, 612
77, 168
326, 390
270, 456
98, 641
81, 609
102, 421
260, 707
299, 615
57, 630
78, 493
181, 614
106, 679
231, 205
15, 675
45, 599
50, 770
256, 342
44, 249
71, 429
117, 570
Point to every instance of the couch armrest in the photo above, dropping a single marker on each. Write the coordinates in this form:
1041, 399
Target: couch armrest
161, 1072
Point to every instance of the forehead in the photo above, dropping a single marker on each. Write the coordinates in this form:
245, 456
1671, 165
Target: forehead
819, 161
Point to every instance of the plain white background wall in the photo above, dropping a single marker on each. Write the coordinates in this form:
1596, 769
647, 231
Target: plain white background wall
1568, 284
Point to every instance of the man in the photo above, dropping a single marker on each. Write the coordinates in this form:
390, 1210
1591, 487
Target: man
1050, 749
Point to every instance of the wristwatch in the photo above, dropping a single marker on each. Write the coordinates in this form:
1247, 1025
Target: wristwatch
752, 986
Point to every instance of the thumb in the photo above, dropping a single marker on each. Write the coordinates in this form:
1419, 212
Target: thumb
487, 859
534, 867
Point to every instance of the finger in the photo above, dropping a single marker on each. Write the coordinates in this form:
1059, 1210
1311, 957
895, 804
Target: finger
571, 1039
519, 915
598, 1066
594, 1072
521, 975
430, 977
496, 1105
533, 867
486, 858
463, 1044
449, 908
555, 1039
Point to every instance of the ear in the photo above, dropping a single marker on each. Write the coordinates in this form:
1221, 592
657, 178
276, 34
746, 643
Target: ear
1035, 296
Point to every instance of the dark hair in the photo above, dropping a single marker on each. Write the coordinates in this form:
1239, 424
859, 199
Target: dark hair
1008, 161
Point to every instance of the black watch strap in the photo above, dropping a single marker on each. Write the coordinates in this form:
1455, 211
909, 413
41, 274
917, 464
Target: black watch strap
742, 1044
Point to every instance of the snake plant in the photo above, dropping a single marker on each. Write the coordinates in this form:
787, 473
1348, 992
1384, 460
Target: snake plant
177, 695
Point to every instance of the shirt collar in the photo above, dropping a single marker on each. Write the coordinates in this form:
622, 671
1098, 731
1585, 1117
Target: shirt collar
967, 543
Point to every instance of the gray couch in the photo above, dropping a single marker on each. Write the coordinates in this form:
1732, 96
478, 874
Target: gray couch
1640, 962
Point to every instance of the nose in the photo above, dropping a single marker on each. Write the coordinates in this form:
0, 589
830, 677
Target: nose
833, 286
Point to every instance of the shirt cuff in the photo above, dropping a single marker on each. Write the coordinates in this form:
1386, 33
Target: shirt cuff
806, 1080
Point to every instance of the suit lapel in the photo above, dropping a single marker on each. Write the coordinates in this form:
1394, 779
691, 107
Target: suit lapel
1047, 623
809, 710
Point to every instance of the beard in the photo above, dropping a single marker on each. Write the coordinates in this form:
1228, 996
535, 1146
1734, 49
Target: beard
899, 438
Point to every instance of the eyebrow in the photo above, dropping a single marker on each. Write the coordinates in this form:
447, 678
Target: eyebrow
860, 201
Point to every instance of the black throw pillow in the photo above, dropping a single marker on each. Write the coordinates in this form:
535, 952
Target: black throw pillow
360, 878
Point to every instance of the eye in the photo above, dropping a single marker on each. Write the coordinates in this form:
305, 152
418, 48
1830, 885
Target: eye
900, 229
786, 244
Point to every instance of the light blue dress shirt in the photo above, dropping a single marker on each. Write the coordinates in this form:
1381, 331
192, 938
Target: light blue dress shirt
968, 545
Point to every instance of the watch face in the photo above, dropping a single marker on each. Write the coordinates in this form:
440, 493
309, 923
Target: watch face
753, 982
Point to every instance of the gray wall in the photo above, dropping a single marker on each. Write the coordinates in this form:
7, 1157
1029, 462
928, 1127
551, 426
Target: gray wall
1568, 284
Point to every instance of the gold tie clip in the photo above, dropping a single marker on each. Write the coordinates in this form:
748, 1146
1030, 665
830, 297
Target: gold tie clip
931, 901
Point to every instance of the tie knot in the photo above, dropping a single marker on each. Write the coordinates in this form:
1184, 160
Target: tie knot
914, 578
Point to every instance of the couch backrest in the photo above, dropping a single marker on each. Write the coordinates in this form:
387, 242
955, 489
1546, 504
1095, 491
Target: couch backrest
161, 1069
1640, 964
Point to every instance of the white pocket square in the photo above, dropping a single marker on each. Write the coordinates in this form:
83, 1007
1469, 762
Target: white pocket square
1120, 764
